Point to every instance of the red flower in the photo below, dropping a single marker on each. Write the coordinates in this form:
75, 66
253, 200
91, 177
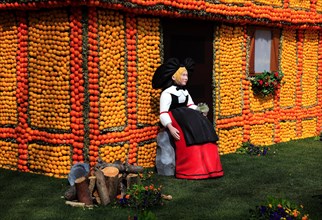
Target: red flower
276, 74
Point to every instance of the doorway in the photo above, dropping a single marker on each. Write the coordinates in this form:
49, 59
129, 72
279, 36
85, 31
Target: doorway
190, 38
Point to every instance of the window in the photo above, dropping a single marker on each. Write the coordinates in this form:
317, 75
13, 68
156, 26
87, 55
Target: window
264, 48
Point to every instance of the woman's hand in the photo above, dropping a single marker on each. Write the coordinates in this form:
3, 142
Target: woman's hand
174, 132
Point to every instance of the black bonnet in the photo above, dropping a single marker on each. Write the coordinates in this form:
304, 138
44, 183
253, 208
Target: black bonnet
162, 77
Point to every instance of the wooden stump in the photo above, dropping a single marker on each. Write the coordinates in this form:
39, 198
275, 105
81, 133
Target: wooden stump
129, 168
132, 179
102, 189
97, 197
82, 191
70, 193
112, 180
121, 189
91, 185
123, 168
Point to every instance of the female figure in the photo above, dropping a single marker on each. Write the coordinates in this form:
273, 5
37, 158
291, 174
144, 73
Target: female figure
196, 152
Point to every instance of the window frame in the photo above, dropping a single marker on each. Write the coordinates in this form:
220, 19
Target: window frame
275, 45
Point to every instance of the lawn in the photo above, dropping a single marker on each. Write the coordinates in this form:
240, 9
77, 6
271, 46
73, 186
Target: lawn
290, 170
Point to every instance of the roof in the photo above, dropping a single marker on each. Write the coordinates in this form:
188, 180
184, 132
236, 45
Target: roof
293, 13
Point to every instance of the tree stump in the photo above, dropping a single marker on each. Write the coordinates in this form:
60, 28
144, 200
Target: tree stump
102, 189
91, 185
112, 180
97, 197
82, 191
70, 193
121, 190
132, 179
123, 168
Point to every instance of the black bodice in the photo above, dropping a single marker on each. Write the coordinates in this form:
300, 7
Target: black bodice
197, 129
175, 102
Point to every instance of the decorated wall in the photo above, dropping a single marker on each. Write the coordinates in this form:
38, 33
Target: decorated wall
294, 112
75, 87
75, 81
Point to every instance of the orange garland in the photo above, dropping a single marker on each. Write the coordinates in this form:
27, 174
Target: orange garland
22, 91
319, 93
8, 91
93, 79
77, 86
131, 31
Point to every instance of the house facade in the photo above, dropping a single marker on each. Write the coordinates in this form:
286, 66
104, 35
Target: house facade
75, 81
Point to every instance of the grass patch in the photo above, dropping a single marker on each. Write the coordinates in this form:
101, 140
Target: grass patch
293, 172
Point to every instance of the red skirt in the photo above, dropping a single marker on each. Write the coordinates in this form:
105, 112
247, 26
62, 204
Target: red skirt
196, 161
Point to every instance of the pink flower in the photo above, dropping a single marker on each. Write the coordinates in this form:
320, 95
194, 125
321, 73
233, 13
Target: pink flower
260, 82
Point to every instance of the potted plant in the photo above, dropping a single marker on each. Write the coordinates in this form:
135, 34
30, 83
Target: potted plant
266, 83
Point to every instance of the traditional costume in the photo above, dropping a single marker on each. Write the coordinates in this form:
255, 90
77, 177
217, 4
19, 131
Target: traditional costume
196, 153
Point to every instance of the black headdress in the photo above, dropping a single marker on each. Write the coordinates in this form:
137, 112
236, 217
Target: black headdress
162, 77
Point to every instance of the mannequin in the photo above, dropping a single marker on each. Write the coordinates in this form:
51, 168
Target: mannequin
193, 135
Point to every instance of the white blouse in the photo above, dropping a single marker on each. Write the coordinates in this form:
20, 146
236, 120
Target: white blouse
166, 99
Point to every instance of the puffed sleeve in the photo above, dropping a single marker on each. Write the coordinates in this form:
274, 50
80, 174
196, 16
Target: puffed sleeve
165, 102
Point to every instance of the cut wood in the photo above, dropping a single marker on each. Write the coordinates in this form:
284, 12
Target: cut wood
112, 180
91, 185
110, 171
97, 197
75, 204
82, 191
132, 179
121, 189
102, 189
78, 204
129, 168
70, 193
126, 167
166, 197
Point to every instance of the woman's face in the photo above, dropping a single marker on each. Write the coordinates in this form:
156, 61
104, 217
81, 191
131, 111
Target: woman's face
183, 79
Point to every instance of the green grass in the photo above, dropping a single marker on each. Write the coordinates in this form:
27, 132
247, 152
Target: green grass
294, 172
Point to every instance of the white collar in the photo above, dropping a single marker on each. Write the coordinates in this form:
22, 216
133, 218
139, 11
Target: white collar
173, 90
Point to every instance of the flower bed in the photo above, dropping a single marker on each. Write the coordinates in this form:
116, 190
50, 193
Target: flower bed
278, 209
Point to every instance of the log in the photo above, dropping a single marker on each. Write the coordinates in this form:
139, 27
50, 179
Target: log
78, 204
110, 171
97, 197
82, 191
112, 180
91, 185
102, 189
126, 167
75, 204
166, 197
129, 168
122, 185
132, 179
70, 193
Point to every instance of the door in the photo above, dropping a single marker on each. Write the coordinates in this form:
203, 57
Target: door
190, 38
